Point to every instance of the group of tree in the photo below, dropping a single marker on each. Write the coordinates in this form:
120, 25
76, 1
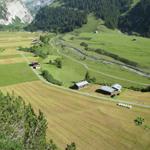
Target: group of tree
21, 128
137, 19
73, 14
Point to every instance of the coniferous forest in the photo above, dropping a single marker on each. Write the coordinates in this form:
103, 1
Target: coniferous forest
73, 14
137, 20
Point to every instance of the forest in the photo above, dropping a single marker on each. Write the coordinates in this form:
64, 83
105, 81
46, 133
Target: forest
73, 14
58, 20
137, 20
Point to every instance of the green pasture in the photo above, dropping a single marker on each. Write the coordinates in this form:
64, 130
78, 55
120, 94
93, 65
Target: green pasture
130, 47
15, 73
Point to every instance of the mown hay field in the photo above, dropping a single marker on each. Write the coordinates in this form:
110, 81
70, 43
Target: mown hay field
13, 67
91, 123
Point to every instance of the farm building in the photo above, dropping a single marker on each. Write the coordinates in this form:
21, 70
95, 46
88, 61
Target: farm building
113, 90
107, 90
35, 65
117, 87
80, 85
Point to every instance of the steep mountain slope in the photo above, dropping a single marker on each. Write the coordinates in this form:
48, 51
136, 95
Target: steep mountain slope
35, 5
137, 20
12, 9
71, 12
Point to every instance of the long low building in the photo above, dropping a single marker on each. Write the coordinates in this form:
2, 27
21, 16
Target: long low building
113, 90
81, 84
107, 90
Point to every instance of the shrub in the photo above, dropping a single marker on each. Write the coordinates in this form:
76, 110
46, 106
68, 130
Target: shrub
84, 44
72, 146
147, 89
139, 121
58, 63
45, 39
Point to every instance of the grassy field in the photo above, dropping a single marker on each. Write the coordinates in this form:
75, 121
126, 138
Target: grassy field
90, 123
15, 73
121, 45
13, 68
70, 72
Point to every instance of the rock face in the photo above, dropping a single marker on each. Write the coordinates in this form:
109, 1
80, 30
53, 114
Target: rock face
22, 9
35, 5
12, 9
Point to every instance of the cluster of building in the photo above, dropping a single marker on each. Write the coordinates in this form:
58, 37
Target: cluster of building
113, 90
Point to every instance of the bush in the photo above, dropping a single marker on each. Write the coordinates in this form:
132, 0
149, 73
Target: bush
84, 44
58, 63
50, 78
72, 146
139, 121
147, 89
45, 39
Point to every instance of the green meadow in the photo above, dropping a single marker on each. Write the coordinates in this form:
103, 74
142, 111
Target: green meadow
122, 45
15, 73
